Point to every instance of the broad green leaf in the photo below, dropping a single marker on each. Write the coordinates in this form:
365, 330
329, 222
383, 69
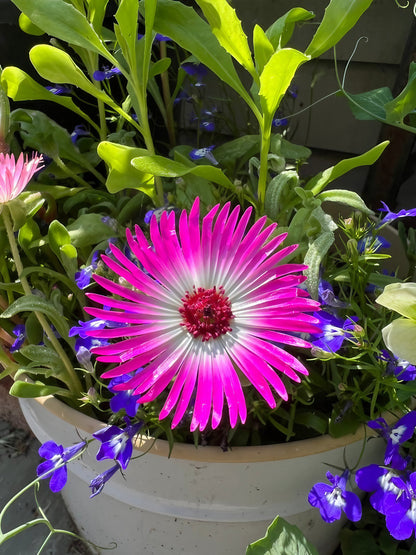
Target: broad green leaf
263, 49
89, 229
28, 233
276, 191
313, 258
58, 67
19, 86
159, 67
96, 13
280, 32
240, 149
28, 27
339, 17
277, 76
69, 257
164, 167
400, 297
128, 29
183, 25
398, 108
371, 104
31, 390
60, 19
58, 236
227, 28
122, 174
30, 303
344, 196
320, 181
43, 356
282, 538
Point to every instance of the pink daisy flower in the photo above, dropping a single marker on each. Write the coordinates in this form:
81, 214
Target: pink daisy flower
15, 175
205, 309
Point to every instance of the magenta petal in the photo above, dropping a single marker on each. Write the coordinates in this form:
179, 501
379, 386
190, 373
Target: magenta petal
203, 401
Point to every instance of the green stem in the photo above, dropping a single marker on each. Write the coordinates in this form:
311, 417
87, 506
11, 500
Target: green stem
264, 152
170, 123
61, 164
72, 380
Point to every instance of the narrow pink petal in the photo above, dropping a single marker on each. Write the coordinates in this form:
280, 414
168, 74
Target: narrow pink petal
217, 397
276, 356
223, 368
188, 389
175, 390
284, 338
203, 401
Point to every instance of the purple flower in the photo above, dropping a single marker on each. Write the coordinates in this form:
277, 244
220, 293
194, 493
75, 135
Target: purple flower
99, 481
292, 91
377, 479
83, 277
401, 515
55, 465
327, 295
279, 122
206, 152
197, 71
398, 367
20, 332
58, 89
334, 331
117, 443
331, 500
395, 436
106, 73
79, 131
391, 216
126, 399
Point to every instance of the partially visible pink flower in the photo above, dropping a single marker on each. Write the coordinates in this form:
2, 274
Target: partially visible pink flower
204, 307
15, 175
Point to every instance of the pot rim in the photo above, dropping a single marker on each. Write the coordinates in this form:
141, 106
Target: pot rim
239, 454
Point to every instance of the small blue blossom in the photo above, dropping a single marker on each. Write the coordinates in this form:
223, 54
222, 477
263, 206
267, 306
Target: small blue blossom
58, 89
327, 295
334, 331
206, 152
197, 71
401, 515
370, 244
125, 399
391, 216
378, 479
117, 443
292, 91
398, 367
79, 131
106, 73
20, 332
55, 465
395, 436
332, 499
280, 122
99, 481
84, 341
83, 277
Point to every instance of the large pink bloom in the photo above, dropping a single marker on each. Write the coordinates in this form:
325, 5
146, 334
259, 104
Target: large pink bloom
15, 175
204, 309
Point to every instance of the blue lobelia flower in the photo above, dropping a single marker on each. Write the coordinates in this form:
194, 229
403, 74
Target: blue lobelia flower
369, 244
126, 399
332, 499
117, 443
398, 367
334, 331
280, 122
106, 73
55, 465
206, 152
83, 277
99, 481
327, 295
395, 436
20, 332
79, 131
378, 479
391, 216
58, 89
401, 514
196, 71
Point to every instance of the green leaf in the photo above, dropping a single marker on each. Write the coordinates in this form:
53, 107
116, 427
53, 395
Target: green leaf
398, 108
28, 233
344, 196
164, 167
31, 390
19, 86
320, 181
280, 32
58, 236
89, 229
277, 76
122, 175
96, 13
60, 19
282, 538
159, 67
263, 48
362, 542
128, 29
276, 190
227, 28
183, 25
30, 303
28, 27
339, 17
44, 356
371, 104
313, 258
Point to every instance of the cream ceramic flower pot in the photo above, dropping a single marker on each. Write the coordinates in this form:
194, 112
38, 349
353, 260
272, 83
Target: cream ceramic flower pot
200, 500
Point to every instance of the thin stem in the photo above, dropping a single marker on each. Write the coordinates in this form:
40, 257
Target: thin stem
264, 152
72, 380
170, 123
61, 164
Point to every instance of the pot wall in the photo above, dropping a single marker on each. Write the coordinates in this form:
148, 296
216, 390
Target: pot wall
199, 500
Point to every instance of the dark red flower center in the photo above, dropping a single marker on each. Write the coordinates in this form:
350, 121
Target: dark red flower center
206, 312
